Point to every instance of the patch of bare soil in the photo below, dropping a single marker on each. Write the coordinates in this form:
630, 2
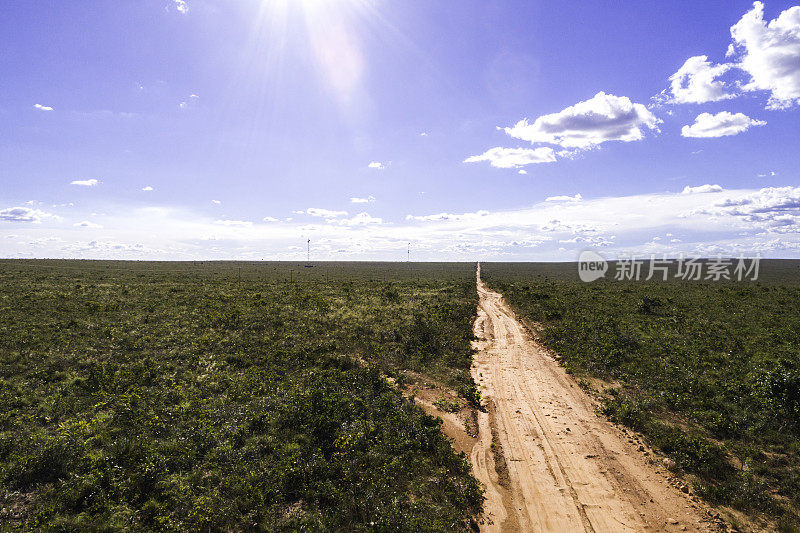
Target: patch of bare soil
547, 460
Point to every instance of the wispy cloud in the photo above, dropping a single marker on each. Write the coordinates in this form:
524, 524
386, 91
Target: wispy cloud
85, 183
729, 221
361, 219
514, 157
147, 188
366, 200
701, 189
181, 6
377, 165
87, 224
325, 213
41, 107
576, 198
234, 223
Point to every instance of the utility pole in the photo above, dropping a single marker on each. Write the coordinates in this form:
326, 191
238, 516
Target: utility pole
308, 260
409, 261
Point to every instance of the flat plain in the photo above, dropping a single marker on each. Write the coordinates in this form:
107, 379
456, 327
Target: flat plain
707, 372
207, 396
229, 396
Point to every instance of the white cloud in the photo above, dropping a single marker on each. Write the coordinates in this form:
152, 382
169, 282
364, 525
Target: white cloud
728, 222
85, 183
376, 164
720, 125
522, 171
23, 214
587, 124
87, 224
41, 107
448, 216
324, 213
147, 188
361, 219
700, 189
270, 219
181, 6
215, 202
696, 82
776, 209
514, 157
576, 198
367, 200
770, 53
189, 102
234, 223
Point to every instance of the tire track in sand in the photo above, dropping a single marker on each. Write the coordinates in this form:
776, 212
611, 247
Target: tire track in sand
568, 469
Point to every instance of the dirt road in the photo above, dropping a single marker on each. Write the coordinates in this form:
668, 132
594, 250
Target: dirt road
555, 464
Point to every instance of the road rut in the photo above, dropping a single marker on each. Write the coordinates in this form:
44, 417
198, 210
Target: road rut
567, 468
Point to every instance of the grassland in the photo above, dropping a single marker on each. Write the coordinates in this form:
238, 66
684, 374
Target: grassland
708, 372
230, 396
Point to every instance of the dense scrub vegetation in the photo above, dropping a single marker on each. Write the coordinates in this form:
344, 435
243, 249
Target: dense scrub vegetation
220, 396
709, 372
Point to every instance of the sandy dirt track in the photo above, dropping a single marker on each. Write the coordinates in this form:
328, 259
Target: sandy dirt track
557, 465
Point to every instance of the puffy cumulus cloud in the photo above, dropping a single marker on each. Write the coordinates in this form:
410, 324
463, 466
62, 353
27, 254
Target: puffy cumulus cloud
587, 124
215, 202
147, 188
514, 157
87, 224
783, 200
722, 124
324, 213
367, 200
696, 82
23, 214
700, 189
270, 219
776, 209
770, 53
41, 107
377, 165
85, 183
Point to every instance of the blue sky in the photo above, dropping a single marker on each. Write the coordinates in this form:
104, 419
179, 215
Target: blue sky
517, 130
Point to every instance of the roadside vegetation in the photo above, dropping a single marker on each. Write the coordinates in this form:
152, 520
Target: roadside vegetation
708, 372
225, 397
